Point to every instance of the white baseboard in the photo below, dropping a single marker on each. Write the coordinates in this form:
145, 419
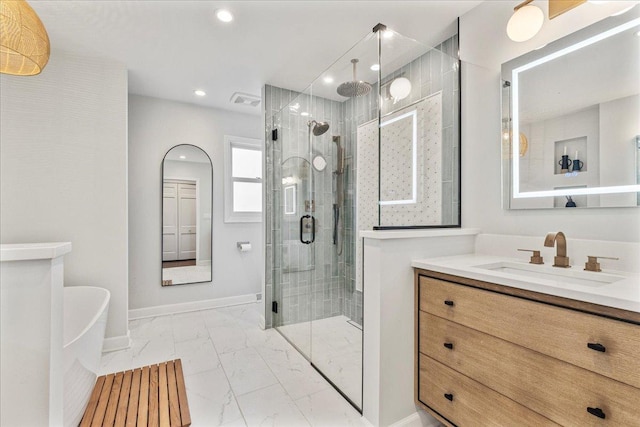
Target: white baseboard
185, 307
116, 343
262, 322
413, 420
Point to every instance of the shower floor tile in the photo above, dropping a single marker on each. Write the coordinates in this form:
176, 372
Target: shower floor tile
235, 373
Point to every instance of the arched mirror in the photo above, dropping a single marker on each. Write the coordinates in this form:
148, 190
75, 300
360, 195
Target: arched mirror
187, 179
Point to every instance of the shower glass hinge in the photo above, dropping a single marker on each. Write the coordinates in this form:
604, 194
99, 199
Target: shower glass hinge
274, 135
274, 306
379, 27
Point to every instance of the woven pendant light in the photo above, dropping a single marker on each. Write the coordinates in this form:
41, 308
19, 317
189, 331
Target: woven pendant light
24, 43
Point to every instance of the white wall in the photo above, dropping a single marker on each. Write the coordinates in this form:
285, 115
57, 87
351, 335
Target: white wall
484, 46
619, 126
155, 126
63, 170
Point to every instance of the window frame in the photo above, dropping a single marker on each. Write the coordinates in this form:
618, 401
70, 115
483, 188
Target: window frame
231, 142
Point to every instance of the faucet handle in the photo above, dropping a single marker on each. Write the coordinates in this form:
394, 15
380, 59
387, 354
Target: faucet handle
592, 263
535, 258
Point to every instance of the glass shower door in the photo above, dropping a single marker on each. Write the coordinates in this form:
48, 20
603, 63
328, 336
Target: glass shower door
294, 230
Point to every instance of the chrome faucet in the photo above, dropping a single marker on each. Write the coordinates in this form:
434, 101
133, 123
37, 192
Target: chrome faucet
561, 259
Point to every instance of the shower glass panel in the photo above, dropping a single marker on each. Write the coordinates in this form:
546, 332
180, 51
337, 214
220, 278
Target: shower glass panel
323, 161
294, 215
419, 176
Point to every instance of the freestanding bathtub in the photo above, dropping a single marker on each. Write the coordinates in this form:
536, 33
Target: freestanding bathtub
85, 320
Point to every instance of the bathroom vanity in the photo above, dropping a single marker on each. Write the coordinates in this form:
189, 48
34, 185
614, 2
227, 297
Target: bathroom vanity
495, 347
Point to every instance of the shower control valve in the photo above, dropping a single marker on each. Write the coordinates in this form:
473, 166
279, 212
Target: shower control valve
309, 206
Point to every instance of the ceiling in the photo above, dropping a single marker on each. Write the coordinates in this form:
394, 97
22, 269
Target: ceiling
172, 48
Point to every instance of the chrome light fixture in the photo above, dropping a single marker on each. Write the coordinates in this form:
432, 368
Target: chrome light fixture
525, 22
24, 43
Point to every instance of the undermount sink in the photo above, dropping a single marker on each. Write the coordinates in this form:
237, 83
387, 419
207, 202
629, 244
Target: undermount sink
572, 276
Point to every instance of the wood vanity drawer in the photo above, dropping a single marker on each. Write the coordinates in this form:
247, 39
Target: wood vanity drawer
558, 390
465, 402
558, 332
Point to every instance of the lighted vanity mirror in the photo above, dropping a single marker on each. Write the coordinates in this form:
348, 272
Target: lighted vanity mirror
186, 216
571, 120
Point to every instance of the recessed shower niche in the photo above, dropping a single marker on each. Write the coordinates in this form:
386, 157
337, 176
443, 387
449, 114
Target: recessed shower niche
372, 143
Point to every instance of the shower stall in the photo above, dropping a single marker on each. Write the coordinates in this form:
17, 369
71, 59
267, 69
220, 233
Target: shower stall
371, 143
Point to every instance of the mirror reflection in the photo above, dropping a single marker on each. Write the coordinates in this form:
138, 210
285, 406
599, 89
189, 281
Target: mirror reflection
572, 123
186, 216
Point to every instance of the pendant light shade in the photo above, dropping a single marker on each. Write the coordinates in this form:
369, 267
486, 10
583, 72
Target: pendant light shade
525, 23
24, 43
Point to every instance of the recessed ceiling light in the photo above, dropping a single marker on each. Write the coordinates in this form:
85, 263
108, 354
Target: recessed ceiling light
224, 15
183, 157
375, 67
199, 92
638, 34
328, 79
387, 34
598, 1
304, 114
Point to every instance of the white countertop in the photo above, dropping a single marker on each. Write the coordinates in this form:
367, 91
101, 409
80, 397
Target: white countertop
623, 294
31, 251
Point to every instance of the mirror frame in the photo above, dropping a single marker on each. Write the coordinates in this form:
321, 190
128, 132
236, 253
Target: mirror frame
509, 78
162, 214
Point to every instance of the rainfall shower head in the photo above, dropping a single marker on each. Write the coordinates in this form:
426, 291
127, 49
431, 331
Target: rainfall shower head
355, 87
318, 127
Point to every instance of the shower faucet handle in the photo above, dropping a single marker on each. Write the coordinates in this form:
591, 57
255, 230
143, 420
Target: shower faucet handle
535, 257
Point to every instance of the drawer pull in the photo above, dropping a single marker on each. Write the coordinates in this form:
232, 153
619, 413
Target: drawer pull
449, 397
449, 303
595, 411
449, 345
597, 347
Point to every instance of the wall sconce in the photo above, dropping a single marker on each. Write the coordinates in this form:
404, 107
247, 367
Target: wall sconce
527, 20
24, 43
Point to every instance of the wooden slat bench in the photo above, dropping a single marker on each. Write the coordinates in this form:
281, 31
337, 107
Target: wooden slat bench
149, 396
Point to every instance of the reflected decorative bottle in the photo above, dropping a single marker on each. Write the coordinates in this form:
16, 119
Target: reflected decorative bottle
577, 165
565, 162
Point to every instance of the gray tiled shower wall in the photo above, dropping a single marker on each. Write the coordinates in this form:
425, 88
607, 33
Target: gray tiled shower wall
333, 289
315, 292
435, 71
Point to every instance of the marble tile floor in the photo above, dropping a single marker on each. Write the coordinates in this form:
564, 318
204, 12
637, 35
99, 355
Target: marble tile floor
336, 349
236, 374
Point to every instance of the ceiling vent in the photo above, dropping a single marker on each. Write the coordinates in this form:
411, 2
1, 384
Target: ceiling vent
245, 99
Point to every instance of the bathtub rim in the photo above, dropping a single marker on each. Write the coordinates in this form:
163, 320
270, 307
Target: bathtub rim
96, 316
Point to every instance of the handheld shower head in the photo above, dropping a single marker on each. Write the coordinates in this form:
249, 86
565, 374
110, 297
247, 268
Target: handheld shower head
318, 127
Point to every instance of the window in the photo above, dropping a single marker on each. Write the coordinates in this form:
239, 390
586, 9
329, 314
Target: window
243, 179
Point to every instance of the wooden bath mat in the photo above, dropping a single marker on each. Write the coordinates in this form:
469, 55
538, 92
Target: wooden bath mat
153, 395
